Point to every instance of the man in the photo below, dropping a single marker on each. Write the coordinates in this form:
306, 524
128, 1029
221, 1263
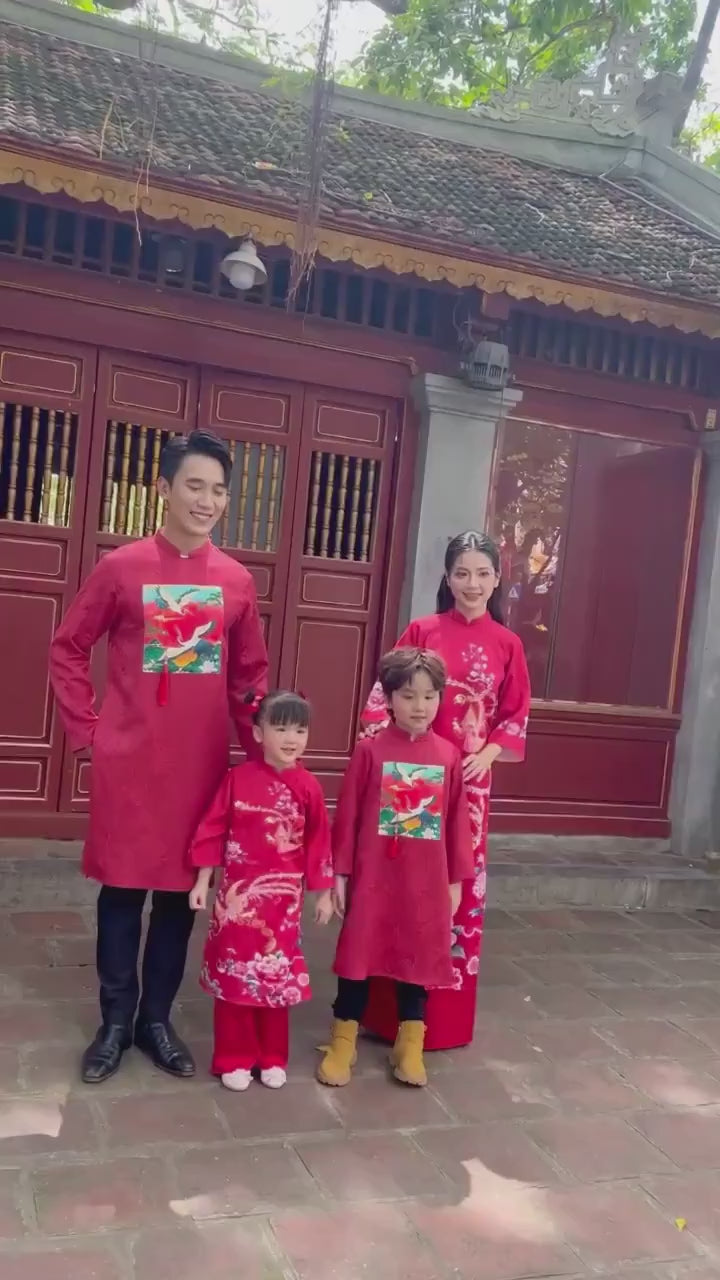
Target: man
185, 646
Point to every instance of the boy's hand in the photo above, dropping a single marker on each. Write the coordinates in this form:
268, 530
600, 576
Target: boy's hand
340, 895
199, 896
324, 908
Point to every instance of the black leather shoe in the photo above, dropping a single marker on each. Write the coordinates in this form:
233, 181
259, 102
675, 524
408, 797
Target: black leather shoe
164, 1048
102, 1058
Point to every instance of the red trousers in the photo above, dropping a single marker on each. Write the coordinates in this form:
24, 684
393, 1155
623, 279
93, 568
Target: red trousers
247, 1036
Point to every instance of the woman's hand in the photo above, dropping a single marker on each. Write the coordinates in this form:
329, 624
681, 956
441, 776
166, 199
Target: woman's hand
480, 762
200, 890
340, 896
324, 907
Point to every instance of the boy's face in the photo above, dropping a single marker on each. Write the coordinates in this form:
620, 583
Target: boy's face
415, 705
197, 497
282, 744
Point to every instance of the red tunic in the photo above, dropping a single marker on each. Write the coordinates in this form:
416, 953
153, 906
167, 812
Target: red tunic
487, 700
184, 646
402, 835
270, 834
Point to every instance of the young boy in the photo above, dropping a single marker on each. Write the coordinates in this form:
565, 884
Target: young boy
402, 847
268, 830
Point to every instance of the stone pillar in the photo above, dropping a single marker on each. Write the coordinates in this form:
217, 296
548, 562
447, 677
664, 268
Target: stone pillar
452, 480
695, 795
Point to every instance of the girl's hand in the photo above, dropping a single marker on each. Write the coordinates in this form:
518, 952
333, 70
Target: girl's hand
324, 908
481, 762
340, 896
455, 896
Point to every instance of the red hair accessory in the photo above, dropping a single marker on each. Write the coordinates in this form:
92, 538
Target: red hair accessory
253, 700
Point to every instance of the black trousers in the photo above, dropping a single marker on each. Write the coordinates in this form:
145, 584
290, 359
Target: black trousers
352, 998
119, 930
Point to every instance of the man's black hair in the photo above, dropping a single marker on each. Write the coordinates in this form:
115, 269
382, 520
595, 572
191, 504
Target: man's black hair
204, 443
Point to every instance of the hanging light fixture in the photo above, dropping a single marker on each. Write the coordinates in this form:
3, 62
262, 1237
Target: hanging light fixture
243, 268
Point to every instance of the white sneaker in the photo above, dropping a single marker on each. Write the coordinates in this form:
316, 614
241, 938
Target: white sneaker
274, 1077
238, 1081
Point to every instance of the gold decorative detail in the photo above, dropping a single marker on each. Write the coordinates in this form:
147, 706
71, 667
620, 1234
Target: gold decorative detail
50, 177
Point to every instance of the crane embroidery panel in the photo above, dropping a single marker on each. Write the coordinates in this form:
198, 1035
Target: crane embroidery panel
411, 802
183, 629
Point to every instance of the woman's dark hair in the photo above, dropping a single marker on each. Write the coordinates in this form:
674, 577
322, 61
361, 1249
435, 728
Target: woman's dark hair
204, 443
456, 547
398, 667
283, 708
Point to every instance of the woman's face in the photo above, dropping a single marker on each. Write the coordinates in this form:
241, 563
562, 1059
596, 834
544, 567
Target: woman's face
472, 581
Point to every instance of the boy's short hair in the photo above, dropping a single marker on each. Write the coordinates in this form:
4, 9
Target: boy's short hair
283, 708
203, 443
398, 667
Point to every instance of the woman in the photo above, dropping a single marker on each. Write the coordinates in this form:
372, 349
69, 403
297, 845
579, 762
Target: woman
484, 712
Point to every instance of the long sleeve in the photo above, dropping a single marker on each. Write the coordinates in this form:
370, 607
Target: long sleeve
375, 714
208, 846
353, 797
458, 835
247, 669
318, 851
89, 617
513, 708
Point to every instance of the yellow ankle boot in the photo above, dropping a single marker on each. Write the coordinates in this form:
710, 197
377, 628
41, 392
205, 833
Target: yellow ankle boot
406, 1056
340, 1055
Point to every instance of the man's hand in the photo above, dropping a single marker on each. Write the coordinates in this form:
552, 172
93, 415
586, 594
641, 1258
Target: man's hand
200, 890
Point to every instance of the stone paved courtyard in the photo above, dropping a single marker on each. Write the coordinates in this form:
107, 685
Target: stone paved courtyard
580, 1136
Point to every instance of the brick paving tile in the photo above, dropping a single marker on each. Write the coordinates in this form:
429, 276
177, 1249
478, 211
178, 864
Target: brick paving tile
356, 1242
672, 1084
574, 1086
72, 951
79, 1199
481, 1094
15, 952
694, 1197
494, 1044
47, 1125
229, 1250
9, 1070
690, 1138
45, 924
577, 1040
617, 1224
598, 1148
497, 1236
371, 1167
22, 1024
515, 943
660, 1002
379, 1102
502, 1148
93, 1263
653, 1038
238, 1179
301, 1107
179, 1116
707, 1030
11, 1222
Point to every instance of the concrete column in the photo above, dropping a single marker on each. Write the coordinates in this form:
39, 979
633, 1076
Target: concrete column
452, 480
695, 795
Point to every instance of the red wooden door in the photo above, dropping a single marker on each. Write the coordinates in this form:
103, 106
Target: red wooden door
261, 419
46, 395
338, 565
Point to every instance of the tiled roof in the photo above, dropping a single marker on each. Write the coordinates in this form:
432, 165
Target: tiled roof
95, 102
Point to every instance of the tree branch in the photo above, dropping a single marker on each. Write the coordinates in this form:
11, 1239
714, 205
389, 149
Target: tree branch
393, 8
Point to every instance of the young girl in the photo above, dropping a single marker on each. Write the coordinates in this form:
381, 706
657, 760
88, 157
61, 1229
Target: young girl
402, 847
268, 830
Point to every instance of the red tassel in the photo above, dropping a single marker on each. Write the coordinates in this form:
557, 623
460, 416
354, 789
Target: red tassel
163, 690
394, 850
